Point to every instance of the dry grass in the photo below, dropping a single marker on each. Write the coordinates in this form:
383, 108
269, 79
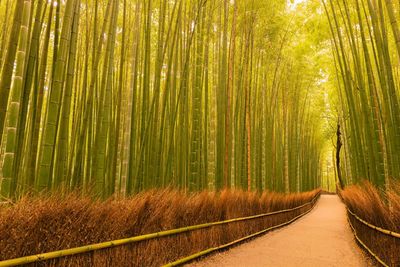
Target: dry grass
378, 208
37, 225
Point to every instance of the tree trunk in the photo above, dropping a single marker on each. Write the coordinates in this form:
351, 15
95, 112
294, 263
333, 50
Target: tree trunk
339, 145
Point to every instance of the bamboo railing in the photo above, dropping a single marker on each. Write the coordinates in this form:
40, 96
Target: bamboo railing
376, 257
374, 227
120, 242
210, 250
379, 229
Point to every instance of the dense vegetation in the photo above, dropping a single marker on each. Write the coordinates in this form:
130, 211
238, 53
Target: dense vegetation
44, 224
365, 43
366, 47
367, 201
116, 96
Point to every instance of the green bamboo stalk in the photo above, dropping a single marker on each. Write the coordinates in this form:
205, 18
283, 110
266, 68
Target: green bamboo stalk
27, 96
7, 69
51, 123
196, 132
4, 32
119, 107
37, 108
101, 185
220, 183
229, 88
130, 184
65, 113
83, 158
9, 181
393, 22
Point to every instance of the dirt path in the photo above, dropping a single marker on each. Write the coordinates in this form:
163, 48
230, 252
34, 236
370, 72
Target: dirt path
321, 238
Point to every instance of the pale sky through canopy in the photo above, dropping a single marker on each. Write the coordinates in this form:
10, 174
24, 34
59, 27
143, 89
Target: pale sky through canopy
293, 3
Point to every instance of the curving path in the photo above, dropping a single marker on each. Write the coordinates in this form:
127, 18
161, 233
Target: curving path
321, 238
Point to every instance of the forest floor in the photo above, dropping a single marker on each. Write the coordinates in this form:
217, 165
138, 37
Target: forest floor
321, 238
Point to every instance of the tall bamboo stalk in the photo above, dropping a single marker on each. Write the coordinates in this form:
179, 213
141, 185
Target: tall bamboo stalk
9, 181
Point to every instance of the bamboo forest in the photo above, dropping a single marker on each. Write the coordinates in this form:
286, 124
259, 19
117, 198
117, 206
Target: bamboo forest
174, 132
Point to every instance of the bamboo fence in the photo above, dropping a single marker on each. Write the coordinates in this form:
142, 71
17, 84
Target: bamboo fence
120, 242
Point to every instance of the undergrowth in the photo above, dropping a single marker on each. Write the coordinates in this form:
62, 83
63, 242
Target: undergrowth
44, 224
378, 208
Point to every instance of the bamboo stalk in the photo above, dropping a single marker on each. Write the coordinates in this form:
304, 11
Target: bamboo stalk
53, 109
7, 68
9, 181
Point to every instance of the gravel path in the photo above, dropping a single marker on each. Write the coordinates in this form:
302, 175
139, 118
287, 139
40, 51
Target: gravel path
321, 238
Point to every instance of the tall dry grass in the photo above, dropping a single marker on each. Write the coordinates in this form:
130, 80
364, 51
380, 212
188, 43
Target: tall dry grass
378, 208
38, 225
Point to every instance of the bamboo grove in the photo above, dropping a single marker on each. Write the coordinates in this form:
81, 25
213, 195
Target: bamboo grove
366, 45
119, 96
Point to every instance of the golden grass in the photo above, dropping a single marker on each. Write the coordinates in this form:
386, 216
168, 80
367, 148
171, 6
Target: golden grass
381, 209
38, 225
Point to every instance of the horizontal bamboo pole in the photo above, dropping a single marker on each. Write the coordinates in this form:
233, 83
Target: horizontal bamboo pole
210, 250
110, 244
379, 229
365, 246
